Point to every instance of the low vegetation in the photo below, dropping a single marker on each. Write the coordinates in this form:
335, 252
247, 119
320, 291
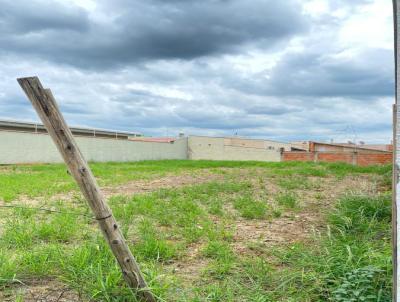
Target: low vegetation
246, 231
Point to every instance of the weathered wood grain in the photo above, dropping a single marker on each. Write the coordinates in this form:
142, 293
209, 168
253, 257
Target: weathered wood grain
396, 155
45, 105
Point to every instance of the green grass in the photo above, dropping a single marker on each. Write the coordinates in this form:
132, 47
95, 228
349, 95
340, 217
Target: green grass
152, 245
165, 227
250, 208
25, 229
292, 183
223, 259
287, 200
47, 180
351, 262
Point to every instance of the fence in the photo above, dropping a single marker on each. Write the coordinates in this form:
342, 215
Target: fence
225, 148
21, 147
355, 158
26, 147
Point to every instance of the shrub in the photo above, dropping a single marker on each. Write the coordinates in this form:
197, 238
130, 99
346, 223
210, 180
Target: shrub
362, 284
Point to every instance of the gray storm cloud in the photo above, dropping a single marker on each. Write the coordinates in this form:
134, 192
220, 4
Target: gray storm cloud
204, 67
137, 31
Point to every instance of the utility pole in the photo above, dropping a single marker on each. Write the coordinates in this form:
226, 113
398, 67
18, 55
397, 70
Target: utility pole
46, 106
396, 153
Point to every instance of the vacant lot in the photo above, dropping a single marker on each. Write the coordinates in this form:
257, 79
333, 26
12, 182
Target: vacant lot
201, 231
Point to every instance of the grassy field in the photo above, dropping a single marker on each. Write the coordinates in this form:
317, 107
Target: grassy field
201, 231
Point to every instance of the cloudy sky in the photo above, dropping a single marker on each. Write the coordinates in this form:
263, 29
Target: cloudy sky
285, 70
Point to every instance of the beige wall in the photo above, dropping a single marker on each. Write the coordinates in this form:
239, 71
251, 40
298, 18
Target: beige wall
21, 147
220, 148
303, 145
24, 147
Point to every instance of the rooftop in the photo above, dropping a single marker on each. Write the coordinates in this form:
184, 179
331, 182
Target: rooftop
9, 125
153, 139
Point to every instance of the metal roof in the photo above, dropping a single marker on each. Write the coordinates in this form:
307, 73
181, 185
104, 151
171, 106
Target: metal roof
153, 139
11, 125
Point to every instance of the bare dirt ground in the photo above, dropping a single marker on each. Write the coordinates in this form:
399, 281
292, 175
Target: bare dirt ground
167, 182
298, 225
41, 291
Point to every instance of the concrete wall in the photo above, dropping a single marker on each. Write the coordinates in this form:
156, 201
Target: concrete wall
301, 145
220, 148
21, 147
25, 147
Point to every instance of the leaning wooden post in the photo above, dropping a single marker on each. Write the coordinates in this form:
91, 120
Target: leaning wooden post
396, 155
46, 106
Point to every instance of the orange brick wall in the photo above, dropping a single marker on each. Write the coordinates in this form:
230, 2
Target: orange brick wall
362, 159
297, 156
373, 159
335, 157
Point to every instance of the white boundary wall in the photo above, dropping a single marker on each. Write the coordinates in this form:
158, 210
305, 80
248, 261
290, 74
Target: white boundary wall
25, 147
235, 148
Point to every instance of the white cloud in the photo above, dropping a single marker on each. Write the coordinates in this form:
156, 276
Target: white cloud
370, 26
316, 8
329, 79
